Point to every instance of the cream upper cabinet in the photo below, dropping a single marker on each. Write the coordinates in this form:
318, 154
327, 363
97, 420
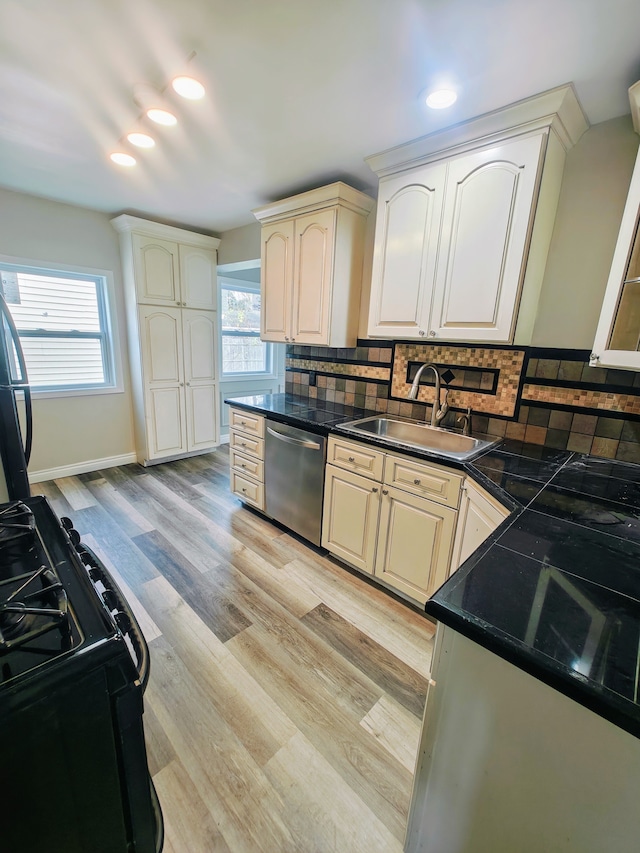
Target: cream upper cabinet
406, 245
171, 274
171, 299
311, 271
617, 340
464, 223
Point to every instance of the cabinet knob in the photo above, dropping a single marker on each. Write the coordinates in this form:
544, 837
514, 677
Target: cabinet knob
432, 334
242, 465
182, 384
243, 489
352, 459
188, 383
293, 340
184, 304
416, 482
421, 333
374, 489
385, 491
286, 338
594, 357
177, 303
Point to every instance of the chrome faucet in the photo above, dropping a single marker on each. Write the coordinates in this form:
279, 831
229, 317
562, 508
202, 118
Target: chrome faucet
439, 410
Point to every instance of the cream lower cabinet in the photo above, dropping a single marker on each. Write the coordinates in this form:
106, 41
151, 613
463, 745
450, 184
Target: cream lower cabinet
398, 534
414, 543
246, 456
480, 514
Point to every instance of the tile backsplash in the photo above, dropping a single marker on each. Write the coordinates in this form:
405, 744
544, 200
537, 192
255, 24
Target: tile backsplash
543, 396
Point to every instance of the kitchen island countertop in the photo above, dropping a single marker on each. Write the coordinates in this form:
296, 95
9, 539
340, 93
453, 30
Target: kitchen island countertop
555, 589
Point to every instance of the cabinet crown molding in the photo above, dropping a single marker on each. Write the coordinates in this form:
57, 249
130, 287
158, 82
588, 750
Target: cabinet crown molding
332, 194
557, 109
634, 100
126, 223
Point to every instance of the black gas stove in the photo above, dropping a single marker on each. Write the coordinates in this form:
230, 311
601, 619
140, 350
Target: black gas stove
73, 668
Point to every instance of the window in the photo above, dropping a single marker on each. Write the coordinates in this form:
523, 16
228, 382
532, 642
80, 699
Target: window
63, 325
242, 349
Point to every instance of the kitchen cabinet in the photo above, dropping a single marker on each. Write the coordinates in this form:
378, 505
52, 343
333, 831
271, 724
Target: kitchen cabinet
464, 222
390, 516
246, 457
617, 339
170, 293
311, 271
479, 515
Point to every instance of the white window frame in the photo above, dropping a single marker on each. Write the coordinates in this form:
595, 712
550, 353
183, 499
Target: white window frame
112, 358
245, 287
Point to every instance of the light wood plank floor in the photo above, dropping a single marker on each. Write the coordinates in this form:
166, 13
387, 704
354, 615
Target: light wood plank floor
286, 693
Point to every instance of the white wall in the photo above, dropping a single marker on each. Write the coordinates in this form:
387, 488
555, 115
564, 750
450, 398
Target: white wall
71, 431
240, 244
594, 190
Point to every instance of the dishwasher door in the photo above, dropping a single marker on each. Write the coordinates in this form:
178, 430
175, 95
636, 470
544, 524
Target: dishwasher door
294, 478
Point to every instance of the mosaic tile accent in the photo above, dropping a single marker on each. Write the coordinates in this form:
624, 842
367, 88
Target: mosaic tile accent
582, 398
508, 363
365, 371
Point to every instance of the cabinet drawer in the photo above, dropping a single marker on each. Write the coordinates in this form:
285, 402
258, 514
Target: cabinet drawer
246, 422
355, 457
248, 490
245, 464
246, 444
438, 484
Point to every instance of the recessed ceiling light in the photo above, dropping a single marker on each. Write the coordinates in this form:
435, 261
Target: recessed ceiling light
440, 99
123, 159
189, 88
141, 140
162, 116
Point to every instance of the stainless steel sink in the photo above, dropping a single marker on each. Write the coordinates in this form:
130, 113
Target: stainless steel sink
444, 442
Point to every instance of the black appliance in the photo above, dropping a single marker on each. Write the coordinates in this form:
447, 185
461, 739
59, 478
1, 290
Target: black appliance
73, 668
13, 377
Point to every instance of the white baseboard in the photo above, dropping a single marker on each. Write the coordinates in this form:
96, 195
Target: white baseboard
81, 468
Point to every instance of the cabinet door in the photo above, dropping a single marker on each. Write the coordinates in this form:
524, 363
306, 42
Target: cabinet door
414, 544
276, 281
488, 213
479, 516
350, 517
156, 270
313, 277
405, 253
166, 421
198, 277
161, 333
199, 347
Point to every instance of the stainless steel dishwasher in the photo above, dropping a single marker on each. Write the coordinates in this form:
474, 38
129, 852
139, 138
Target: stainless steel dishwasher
294, 478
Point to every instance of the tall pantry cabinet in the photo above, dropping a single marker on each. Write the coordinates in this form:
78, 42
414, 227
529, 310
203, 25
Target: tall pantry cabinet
171, 297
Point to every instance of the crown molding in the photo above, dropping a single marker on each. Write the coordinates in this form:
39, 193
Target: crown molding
126, 223
337, 193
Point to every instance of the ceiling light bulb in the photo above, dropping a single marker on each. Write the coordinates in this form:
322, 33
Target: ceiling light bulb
439, 99
189, 88
162, 116
123, 159
141, 140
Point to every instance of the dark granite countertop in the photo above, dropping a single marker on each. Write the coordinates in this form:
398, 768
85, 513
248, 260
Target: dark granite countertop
556, 589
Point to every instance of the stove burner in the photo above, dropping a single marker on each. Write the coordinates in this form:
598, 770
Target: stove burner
17, 524
37, 605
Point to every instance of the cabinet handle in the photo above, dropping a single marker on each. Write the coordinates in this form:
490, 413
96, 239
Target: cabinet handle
243, 423
421, 333
184, 304
374, 489
352, 459
242, 465
286, 338
182, 384
188, 383
243, 444
385, 491
432, 334
594, 357
243, 489
416, 482
177, 303
293, 340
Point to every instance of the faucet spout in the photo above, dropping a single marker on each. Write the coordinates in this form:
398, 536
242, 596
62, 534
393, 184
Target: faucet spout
438, 412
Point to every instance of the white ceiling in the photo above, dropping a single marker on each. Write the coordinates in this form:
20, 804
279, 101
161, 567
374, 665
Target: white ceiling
298, 91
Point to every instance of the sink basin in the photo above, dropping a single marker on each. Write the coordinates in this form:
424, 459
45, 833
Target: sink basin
444, 442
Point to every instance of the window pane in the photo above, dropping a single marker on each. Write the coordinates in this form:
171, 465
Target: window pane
240, 310
56, 304
52, 362
60, 319
243, 354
